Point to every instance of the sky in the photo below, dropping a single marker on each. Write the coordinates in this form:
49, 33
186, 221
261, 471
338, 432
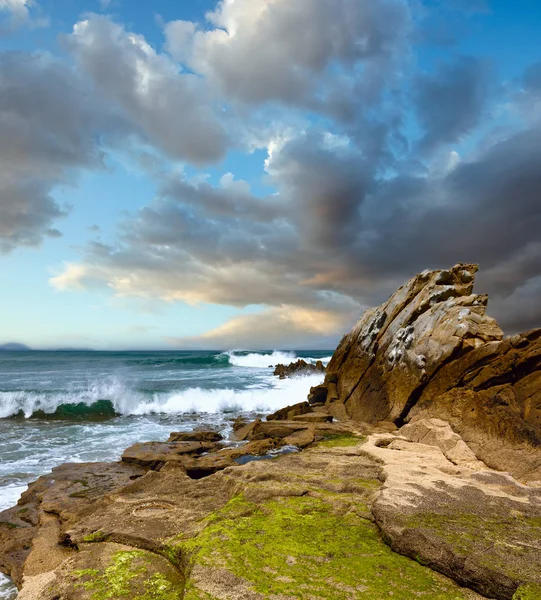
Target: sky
180, 174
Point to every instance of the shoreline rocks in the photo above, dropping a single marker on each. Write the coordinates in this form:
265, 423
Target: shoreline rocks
298, 368
400, 497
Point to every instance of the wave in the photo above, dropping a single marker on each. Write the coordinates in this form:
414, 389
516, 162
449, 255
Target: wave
239, 358
256, 360
112, 400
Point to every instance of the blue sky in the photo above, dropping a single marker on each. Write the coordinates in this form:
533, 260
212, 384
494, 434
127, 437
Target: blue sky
253, 173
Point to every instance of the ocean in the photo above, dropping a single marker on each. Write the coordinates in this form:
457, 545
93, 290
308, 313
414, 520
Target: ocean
58, 407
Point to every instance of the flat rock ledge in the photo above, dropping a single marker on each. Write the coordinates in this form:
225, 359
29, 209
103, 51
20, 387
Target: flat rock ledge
361, 512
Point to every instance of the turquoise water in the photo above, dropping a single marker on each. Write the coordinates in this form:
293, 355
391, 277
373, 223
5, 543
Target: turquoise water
60, 407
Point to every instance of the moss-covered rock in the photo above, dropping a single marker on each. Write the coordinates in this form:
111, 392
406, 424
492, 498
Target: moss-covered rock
301, 548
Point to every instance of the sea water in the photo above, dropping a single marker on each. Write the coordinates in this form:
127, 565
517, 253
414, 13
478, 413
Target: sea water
58, 407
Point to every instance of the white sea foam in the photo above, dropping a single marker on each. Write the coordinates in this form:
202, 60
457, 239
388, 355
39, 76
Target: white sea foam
197, 400
260, 361
268, 395
263, 361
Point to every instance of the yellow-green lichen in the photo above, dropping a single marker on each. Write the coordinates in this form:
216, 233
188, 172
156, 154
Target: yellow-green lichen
528, 592
300, 548
340, 441
118, 579
97, 536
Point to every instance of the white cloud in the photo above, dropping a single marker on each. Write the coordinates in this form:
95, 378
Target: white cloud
175, 112
266, 50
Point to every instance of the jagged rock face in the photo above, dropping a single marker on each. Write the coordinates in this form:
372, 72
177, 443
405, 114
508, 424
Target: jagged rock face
382, 365
492, 398
300, 367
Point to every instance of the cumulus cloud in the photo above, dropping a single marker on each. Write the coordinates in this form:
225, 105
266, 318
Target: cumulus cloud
169, 109
294, 52
56, 120
18, 14
375, 171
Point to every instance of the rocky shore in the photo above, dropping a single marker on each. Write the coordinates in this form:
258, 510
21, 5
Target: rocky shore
413, 471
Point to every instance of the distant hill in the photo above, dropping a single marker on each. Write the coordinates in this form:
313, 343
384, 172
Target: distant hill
14, 348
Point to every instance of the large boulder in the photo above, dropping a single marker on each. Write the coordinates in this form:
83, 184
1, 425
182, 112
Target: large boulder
431, 351
382, 364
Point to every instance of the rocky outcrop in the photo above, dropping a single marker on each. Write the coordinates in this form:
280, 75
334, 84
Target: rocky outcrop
300, 367
432, 351
445, 508
312, 524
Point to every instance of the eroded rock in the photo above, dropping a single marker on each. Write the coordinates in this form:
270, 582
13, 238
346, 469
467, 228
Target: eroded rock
299, 367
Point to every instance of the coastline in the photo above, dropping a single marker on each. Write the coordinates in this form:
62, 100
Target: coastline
396, 477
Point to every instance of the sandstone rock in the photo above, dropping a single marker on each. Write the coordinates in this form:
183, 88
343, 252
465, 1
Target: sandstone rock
446, 509
287, 413
244, 433
314, 418
152, 455
195, 436
301, 438
69, 489
300, 367
318, 394
395, 349
238, 423
431, 351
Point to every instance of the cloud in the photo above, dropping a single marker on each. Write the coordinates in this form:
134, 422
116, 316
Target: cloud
451, 102
294, 52
171, 110
40, 95
56, 121
375, 171
19, 15
285, 326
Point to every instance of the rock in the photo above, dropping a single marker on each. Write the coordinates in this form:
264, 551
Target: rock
314, 418
308, 513
243, 433
68, 490
238, 423
256, 448
195, 436
287, 413
443, 507
153, 455
318, 394
431, 351
300, 367
301, 438
395, 349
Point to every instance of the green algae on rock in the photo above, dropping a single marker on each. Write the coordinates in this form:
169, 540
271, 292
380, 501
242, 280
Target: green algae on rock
117, 580
340, 441
300, 547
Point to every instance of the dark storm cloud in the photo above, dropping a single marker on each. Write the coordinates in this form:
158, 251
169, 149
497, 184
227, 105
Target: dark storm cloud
450, 102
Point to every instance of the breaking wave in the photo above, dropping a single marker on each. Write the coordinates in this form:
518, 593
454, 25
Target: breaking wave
109, 401
240, 358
